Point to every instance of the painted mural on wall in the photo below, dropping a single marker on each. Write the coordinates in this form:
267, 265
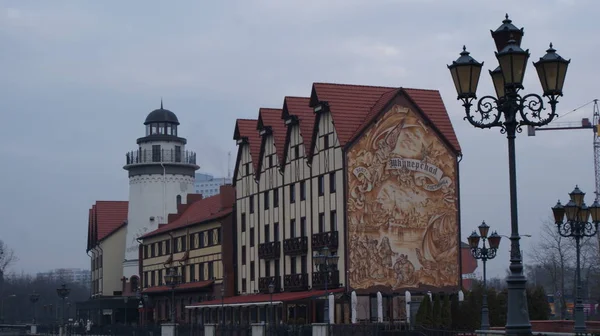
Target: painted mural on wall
402, 209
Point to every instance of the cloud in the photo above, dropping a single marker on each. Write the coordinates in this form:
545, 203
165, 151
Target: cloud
78, 78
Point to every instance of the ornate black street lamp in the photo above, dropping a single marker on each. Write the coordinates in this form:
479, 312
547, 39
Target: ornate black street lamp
63, 292
34, 298
484, 253
325, 263
578, 227
172, 279
223, 305
510, 110
125, 300
272, 315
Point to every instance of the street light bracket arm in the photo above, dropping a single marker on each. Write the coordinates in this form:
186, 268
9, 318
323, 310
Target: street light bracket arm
487, 114
574, 229
533, 112
483, 253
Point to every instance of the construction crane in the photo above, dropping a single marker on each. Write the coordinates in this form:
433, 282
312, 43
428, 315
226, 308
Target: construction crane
584, 124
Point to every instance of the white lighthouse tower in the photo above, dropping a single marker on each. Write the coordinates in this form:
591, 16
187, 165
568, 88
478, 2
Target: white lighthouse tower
161, 174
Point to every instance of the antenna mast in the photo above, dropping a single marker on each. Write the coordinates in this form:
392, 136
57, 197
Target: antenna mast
228, 165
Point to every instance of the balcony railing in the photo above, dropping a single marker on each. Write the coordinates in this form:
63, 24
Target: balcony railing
325, 239
295, 246
144, 156
270, 250
296, 282
332, 278
263, 284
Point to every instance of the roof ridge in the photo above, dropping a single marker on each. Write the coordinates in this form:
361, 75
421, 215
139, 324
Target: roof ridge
415, 89
244, 119
359, 85
296, 97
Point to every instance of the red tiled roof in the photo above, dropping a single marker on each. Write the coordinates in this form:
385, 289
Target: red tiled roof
299, 107
110, 215
431, 103
354, 106
272, 117
246, 128
202, 210
104, 218
258, 298
180, 287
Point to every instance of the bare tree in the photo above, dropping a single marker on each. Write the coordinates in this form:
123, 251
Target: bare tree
554, 256
7, 257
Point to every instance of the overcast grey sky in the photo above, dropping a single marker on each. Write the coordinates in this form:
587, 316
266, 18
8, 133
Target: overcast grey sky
77, 79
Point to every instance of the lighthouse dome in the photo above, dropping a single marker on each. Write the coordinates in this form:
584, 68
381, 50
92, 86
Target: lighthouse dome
161, 115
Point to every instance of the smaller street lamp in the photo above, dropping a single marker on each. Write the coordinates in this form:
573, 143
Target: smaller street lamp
578, 227
222, 304
63, 292
325, 263
125, 300
484, 253
271, 290
172, 279
33, 298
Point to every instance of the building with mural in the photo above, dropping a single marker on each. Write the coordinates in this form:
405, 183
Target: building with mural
370, 174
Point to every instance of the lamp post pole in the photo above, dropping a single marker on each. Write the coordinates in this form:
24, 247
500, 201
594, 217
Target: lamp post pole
484, 253
172, 279
63, 292
222, 305
125, 300
578, 227
271, 310
509, 111
325, 263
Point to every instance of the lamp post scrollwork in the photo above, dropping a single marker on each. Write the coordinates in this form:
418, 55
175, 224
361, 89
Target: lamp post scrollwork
509, 110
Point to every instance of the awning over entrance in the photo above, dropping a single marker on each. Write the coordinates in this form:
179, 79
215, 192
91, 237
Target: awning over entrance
262, 299
188, 286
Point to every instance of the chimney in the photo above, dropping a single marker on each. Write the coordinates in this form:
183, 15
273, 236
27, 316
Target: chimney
193, 198
227, 194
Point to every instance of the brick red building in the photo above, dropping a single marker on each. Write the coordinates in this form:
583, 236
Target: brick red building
469, 265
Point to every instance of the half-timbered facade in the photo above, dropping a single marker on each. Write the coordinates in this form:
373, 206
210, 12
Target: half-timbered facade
371, 174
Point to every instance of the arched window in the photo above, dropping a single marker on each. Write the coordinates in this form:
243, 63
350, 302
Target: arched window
178, 199
134, 282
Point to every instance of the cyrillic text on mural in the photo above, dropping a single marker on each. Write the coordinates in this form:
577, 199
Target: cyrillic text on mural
402, 214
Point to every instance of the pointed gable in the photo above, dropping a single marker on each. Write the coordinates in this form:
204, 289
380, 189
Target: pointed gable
110, 216
271, 118
104, 219
432, 105
245, 129
354, 106
348, 105
429, 102
299, 107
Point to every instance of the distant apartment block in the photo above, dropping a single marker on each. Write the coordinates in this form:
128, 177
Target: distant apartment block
208, 185
68, 275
